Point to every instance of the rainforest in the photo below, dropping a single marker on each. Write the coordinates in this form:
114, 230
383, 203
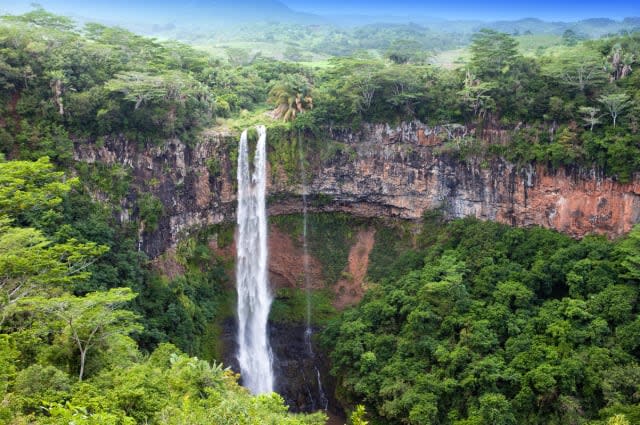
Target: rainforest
318, 217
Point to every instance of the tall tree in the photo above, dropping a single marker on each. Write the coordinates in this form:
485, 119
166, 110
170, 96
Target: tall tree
31, 189
291, 95
493, 53
142, 88
476, 95
590, 115
580, 68
615, 104
90, 320
30, 264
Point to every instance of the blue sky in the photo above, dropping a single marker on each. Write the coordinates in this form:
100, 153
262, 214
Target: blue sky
570, 10
488, 10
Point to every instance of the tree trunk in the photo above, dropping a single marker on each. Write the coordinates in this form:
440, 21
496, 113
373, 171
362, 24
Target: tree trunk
57, 95
83, 357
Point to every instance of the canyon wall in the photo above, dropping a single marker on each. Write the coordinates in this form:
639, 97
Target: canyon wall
377, 171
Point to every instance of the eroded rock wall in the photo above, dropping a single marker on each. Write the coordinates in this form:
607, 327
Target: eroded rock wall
194, 183
377, 171
400, 172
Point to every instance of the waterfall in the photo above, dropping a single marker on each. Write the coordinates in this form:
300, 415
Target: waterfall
254, 298
308, 332
305, 247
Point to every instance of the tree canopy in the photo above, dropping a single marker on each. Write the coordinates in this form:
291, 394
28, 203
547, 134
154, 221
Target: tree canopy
496, 325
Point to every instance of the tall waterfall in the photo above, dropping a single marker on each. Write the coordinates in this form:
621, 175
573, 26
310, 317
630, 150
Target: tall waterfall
254, 297
323, 402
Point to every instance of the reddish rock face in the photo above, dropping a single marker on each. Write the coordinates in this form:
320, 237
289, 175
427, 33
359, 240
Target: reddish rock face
378, 171
395, 172
286, 263
350, 289
576, 206
286, 259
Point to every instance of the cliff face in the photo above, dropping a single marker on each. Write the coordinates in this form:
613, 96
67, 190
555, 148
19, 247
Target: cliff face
397, 172
193, 183
378, 171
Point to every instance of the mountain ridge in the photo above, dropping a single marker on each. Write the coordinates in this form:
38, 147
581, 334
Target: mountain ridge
228, 13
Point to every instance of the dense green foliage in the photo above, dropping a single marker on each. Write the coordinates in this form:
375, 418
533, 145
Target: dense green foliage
495, 325
103, 81
576, 105
166, 387
573, 105
69, 358
59, 84
497, 86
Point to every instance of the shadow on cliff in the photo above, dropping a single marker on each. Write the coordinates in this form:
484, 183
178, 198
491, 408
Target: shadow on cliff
296, 367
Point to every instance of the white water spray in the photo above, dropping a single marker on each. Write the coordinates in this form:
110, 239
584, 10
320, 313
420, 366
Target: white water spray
254, 297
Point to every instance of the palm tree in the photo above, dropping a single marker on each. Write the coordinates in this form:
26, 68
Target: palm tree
291, 95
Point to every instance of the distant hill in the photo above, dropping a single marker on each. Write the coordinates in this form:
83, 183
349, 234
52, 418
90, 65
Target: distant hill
247, 11
590, 28
136, 13
214, 15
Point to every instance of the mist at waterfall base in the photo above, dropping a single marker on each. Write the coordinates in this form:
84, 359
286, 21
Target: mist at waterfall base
254, 297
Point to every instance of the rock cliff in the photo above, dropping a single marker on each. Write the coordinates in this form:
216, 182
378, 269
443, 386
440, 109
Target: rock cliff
378, 171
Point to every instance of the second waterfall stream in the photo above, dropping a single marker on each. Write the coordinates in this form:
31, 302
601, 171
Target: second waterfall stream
254, 297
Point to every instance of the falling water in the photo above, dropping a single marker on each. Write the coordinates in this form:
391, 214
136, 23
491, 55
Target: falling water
254, 297
308, 332
305, 247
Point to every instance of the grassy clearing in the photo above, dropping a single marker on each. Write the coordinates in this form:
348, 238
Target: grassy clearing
533, 45
245, 119
451, 59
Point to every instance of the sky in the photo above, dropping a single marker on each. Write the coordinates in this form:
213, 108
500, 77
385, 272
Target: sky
557, 10
486, 10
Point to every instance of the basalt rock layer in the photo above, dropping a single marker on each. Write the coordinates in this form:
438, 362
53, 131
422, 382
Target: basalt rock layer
376, 171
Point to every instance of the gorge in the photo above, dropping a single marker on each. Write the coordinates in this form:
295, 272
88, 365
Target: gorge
394, 173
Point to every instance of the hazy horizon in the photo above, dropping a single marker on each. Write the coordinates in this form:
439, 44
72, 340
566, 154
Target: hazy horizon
495, 10
572, 10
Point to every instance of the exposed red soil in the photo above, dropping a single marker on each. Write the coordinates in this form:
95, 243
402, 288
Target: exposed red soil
286, 263
351, 287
